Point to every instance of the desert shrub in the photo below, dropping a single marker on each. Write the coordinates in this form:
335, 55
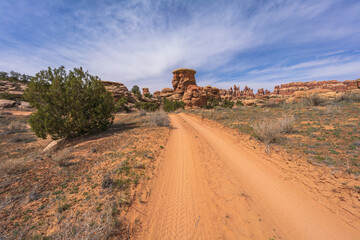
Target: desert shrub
350, 97
122, 106
147, 106
136, 90
239, 103
314, 100
170, 105
160, 119
62, 157
270, 130
148, 95
68, 105
227, 104
211, 103
271, 104
142, 113
13, 166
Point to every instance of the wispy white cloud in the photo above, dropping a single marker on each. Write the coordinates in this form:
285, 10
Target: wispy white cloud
227, 42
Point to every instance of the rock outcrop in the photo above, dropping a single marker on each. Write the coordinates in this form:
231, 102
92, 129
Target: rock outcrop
185, 89
145, 91
290, 90
156, 94
12, 87
333, 85
166, 92
182, 78
118, 90
4, 103
236, 93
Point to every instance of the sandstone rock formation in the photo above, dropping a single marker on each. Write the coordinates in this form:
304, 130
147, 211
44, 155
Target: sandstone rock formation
166, 92
236, 93
333, 85
4, 103
12, 87
156, 94
290, 90
118, 90
186, 90
145, 91
183, 78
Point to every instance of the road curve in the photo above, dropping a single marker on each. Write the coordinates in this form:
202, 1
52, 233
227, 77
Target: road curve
210, 187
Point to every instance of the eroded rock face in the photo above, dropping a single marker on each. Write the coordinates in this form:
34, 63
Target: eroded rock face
195, 96
156, 94
12, 87
4, 103
145, 91
186, 90
333, 85
166, 92
183, 77
236, 93
118, 90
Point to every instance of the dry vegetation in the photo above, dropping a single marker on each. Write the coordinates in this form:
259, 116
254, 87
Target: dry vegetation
159, 119
87, 189
271, 130
327, 132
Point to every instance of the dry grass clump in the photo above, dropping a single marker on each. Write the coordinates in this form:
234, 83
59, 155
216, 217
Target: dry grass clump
314, 100
62, 157
89, 226
350, 97
160, 119
13, 166
142, 113
270, 130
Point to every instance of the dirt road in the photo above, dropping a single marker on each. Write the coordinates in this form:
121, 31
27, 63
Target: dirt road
210, 187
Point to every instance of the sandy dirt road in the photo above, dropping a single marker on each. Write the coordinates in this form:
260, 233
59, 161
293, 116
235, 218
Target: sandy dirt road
210, 187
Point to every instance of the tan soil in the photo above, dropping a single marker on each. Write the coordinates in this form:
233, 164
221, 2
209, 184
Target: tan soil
210, 185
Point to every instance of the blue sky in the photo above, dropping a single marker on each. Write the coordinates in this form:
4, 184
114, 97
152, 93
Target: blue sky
244, 42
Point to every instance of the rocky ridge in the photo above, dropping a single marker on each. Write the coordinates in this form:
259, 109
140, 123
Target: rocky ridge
185, 89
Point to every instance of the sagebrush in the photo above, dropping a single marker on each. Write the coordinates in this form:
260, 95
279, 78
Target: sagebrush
270, 130
160, 119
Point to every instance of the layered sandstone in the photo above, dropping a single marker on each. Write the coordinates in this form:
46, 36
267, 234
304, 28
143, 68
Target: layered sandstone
118, 90
182, 78
186, 89
12, 87
145, 91
236, 93
332, 85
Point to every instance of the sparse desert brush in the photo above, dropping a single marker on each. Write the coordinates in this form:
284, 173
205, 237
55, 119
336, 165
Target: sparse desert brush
314, 100
13, 166
270, 130
62, 157
142, 113
103, 225
350, 97
160, 119
271, 104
